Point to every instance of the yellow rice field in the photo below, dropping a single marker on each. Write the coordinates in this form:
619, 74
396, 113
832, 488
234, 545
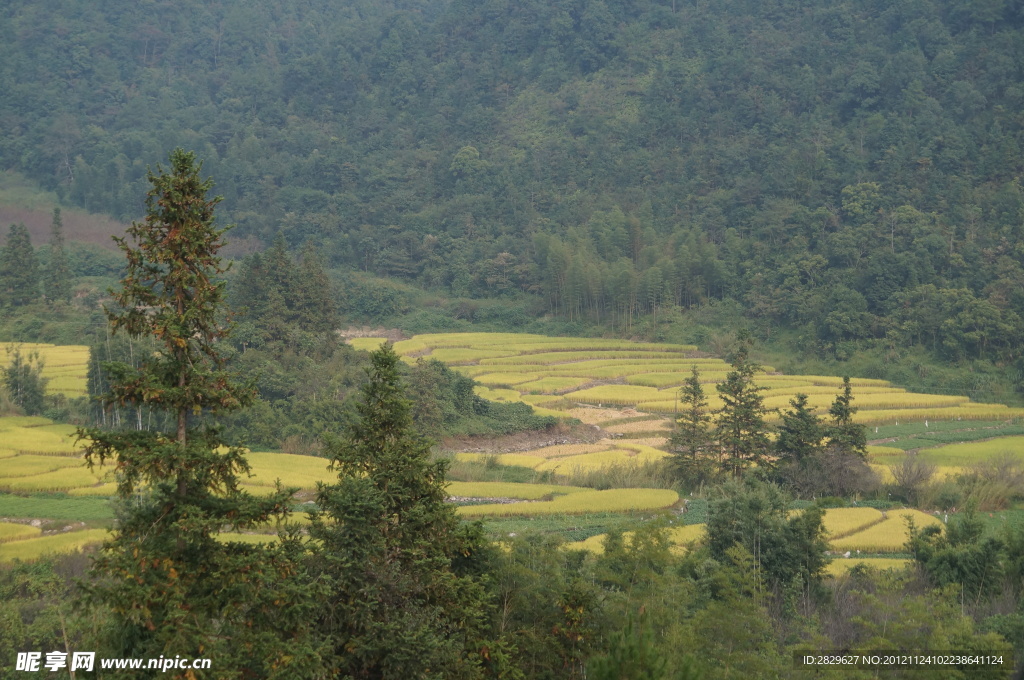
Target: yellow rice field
103, 489
28, 464
640, 426
646, 367
505, 379
602, 459
515, 459
366, 344
564, 450
841, 522
889, 535
17, 532
552, 384
680, 539
65, 366
294, 471
53, 439
34, 548
64, 479
462, 355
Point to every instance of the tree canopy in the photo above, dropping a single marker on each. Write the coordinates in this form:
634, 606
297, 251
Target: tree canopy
171, 585
849, 170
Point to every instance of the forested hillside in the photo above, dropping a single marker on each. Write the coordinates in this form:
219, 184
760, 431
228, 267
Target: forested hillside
848, 169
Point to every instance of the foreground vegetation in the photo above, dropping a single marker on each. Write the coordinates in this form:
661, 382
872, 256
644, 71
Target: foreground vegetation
699, 553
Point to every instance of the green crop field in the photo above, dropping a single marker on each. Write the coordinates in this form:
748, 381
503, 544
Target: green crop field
974, 452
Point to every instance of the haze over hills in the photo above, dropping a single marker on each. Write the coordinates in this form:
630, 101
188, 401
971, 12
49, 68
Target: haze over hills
847, 170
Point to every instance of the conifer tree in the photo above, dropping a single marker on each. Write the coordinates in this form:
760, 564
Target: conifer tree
171, 587
742, 430
407, 600
632, 655
315, 305
800, 432
19, 270
844, 434
691, 441
57, 280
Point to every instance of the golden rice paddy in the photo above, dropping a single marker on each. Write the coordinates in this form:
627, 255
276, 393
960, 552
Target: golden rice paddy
842, 522
567, 366
34, 548
64, 366
680, 539
889, 535
17, 532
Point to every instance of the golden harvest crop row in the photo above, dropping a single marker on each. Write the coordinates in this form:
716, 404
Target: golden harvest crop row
611, 500
34, 548
877, 400
889, 535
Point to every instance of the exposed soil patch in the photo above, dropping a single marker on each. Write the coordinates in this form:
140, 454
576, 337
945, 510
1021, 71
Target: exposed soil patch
392, 334
525, 441
486, 499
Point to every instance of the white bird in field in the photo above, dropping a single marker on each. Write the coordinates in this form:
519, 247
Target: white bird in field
846, 554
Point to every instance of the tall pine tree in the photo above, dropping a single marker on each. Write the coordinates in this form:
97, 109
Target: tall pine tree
692, 444
844, 434
407, 597
172, 587
19, 269
742, 430
57, 279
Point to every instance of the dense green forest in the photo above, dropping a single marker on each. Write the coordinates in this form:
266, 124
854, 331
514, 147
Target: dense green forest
847, 171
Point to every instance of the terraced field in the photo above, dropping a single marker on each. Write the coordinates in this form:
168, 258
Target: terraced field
646, 376
628, 388
852, 531
65, 366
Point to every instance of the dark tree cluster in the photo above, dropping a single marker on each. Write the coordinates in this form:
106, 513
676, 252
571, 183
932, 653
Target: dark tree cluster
810, 456
283, 304
846, 170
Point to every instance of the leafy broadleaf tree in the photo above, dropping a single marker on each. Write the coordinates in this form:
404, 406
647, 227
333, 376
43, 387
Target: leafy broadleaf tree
170, 585
407, 599
755, 515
